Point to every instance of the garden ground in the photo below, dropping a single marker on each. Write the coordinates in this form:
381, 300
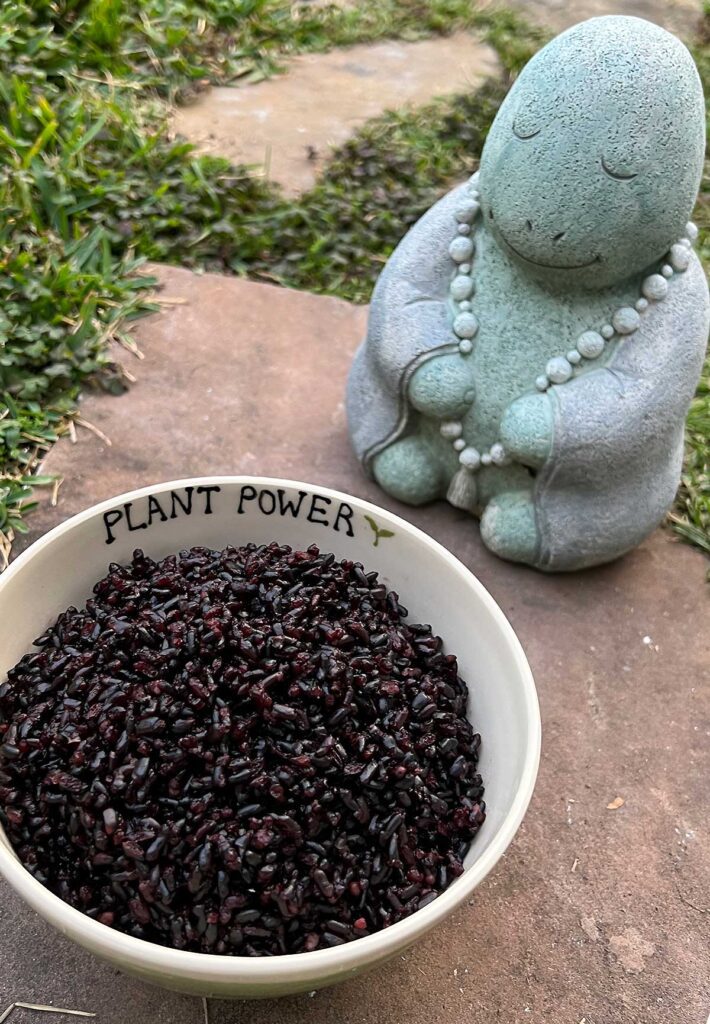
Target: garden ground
597, 912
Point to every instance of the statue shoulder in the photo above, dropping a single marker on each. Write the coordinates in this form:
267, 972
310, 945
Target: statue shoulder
669, 345
682, 319
424, 250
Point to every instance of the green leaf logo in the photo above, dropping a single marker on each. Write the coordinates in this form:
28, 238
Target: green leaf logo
377, 531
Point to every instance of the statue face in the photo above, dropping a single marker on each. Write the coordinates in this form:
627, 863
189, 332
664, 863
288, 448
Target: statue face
592, 165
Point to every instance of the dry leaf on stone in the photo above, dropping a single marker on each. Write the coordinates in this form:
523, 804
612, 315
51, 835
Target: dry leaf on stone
615, 804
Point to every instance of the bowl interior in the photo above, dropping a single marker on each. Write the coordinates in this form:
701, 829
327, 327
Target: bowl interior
61, 568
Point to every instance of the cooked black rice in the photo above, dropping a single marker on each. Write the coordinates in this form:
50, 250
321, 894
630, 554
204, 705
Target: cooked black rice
247, 752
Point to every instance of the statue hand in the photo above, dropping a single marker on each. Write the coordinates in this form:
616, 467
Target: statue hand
526, 429
442, 388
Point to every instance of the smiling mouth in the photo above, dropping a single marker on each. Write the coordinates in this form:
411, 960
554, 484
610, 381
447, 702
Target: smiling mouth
548, 266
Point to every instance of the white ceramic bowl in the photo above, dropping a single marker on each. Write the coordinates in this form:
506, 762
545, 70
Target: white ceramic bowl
60, 570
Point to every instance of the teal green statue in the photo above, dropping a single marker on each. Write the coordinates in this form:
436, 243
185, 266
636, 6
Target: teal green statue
535, 340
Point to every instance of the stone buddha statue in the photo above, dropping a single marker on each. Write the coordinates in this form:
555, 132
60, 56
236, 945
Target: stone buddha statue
535, 340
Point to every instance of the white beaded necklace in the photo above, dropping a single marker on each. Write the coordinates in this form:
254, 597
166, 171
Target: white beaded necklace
590, 344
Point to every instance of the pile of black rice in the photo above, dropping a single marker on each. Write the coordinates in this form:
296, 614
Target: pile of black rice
247, 752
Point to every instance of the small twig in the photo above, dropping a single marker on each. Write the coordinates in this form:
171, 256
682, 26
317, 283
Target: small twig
689, 903
55, 490
54, 1009
206, 1009
167, 300
94, 429
72, 432
267, 161
44, 1009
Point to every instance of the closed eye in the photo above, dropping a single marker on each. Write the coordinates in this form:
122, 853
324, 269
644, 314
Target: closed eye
525, 135
615, 174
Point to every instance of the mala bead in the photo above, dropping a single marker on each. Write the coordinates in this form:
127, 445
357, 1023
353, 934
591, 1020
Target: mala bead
467, 210
451, 430
461, 249
498, 454
655, 287
626, 320
461, 288
470, 458
465, 325
679, 257
590, 344
558, 370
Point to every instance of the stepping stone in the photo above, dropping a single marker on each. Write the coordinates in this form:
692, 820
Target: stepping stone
285, 126
595, 913
679, 16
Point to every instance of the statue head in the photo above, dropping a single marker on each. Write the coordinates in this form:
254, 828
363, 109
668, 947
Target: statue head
592, 166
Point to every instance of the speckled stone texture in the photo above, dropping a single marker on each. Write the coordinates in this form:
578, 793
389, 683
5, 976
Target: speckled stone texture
593, 913
480, 322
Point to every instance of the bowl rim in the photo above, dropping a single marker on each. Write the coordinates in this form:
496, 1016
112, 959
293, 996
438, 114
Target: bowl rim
289, 967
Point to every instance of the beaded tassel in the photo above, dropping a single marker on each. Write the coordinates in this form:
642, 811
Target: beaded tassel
463, 492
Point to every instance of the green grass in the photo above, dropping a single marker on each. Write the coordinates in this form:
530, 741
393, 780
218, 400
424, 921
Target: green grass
691, 515
91, 184
392, 170
176, 46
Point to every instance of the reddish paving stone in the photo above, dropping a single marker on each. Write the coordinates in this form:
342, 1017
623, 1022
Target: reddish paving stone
593, 914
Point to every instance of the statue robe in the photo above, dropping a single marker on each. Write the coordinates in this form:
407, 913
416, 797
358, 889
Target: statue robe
617, 445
